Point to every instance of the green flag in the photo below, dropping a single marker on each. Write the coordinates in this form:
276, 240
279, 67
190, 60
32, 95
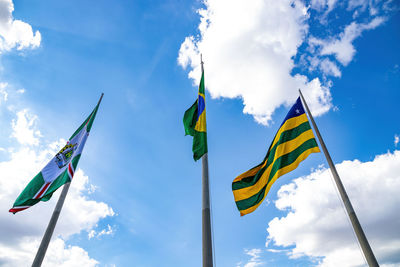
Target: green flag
194, 122
58, 171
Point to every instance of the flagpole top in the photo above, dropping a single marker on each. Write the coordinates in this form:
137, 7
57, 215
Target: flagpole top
101, 97
201, 62
301, 95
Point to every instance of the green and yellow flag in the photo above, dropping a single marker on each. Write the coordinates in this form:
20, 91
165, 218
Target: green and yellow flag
194, 122
291, 145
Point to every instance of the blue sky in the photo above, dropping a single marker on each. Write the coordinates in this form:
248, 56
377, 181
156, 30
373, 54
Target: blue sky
136, 200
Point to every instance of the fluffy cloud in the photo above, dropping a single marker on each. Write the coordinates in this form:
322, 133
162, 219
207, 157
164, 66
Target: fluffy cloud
339, 47
15, 33
254, 258
24, 128
108, 231
329, 68
248, 49
322, 4
252, 51
325, 6
373, 7
342, 46
21, 233
3, 92
396, 139
58, 254
316, 223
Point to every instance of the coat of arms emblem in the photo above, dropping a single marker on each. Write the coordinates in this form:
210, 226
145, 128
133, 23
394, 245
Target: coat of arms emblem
64, 156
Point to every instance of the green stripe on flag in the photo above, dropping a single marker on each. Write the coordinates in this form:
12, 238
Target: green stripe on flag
281, 162
30, 190
75, 161
285, 137
199, 145
59, 181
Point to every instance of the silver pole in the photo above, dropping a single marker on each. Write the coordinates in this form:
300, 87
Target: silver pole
37, 262
362, 239
206, 218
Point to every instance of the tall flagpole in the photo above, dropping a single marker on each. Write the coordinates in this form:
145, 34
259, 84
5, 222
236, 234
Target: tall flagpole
37, 262
206, 218
362, 239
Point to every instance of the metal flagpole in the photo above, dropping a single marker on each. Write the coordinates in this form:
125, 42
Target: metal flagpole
206, 218
362, 239
37, 262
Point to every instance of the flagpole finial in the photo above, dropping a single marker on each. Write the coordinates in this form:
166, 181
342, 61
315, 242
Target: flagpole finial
101, 97
201, 62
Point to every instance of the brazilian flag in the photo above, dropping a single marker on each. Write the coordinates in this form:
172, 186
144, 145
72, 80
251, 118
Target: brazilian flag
291, 145
194, 121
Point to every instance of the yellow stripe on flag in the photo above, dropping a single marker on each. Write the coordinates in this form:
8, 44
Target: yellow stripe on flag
279, 173
288, 125
281, 150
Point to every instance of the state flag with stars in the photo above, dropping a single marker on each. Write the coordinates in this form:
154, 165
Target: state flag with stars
292, 144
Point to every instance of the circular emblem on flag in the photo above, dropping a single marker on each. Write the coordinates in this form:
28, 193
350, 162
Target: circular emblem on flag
64, 156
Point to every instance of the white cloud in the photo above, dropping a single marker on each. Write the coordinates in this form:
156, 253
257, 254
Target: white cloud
58, 254
15, 33
21, 233
277, 250
374, 6
91, 234
329, 68
316, 223
254, 258
342, 47
252, 50
325, 6
396, 139
108, 231
24, 128
3, 91
353, 4
248, 48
